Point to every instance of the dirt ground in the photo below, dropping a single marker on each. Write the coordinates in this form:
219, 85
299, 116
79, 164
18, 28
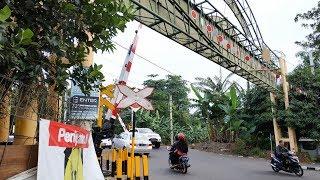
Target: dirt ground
226, 148
215, 147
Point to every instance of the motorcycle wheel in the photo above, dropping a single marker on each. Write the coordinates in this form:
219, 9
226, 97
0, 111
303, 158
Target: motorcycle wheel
184, 169
170, 165
299, 171
275, 169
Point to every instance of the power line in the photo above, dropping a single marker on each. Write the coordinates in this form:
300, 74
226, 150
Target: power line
151, 62
145, 59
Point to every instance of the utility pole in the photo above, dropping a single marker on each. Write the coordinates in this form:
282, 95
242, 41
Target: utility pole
171, 120
132, 112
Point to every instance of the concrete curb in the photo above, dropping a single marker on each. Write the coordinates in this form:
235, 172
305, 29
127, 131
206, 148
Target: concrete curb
311, 168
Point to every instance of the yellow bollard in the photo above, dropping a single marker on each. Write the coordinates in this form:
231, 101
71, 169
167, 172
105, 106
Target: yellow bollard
113, 164
137, 167
105, 157
109, 159
129, 169
120, 154
119, 168
145, 166
132, 152
124, 161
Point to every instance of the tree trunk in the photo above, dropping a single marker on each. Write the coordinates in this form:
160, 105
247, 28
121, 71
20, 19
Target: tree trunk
26, 116
4, 114
52, 104
212, 131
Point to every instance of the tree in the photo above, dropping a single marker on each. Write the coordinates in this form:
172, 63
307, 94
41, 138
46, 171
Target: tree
175, 86
257, 115
310, 20
210, 92
304, 102
304, 96
232, 120
66, 31
208, 109
49, 41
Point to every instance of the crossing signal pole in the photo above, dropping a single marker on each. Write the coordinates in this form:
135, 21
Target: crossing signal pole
171, 119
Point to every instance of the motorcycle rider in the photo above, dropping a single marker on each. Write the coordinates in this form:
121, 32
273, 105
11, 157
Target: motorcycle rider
281, 153
178, 148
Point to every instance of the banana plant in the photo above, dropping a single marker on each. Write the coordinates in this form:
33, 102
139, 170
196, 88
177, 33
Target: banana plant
233, 124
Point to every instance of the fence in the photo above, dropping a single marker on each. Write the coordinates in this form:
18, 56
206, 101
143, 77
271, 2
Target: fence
117, 163
22, 104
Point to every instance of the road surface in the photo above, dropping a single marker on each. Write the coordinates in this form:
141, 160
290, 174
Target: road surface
210, 166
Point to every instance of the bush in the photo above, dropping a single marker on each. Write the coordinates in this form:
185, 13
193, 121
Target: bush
257, 152
304, 157
239, 147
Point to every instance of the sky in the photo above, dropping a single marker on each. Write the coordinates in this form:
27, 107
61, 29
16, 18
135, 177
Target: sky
274, 17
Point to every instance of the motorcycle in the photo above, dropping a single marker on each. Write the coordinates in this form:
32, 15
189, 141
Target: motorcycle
183, 164
291, 164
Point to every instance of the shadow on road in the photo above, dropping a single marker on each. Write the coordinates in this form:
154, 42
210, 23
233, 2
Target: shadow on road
272, 173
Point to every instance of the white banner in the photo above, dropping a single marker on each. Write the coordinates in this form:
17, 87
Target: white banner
66, 152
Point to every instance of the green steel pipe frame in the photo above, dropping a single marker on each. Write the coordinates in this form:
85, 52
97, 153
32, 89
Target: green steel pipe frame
172, 18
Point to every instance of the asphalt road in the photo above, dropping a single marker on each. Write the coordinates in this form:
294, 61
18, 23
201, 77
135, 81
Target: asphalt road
210, 166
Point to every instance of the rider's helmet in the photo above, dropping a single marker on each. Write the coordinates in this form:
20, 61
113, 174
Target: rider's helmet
181, 137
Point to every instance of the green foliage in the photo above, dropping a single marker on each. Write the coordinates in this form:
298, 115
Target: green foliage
30, 31
210, 94
240, 147
304, 103
257, 152
304, 96
175, 86
310, 20
158, 120
257, 116
231, 107
13, 44
5, 13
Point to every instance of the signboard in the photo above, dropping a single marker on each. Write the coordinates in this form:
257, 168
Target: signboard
80, 103
82, 106
66, 152
75, 90
135, 99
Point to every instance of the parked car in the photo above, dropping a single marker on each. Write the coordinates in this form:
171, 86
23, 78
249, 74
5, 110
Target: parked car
152, 136
142, 143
